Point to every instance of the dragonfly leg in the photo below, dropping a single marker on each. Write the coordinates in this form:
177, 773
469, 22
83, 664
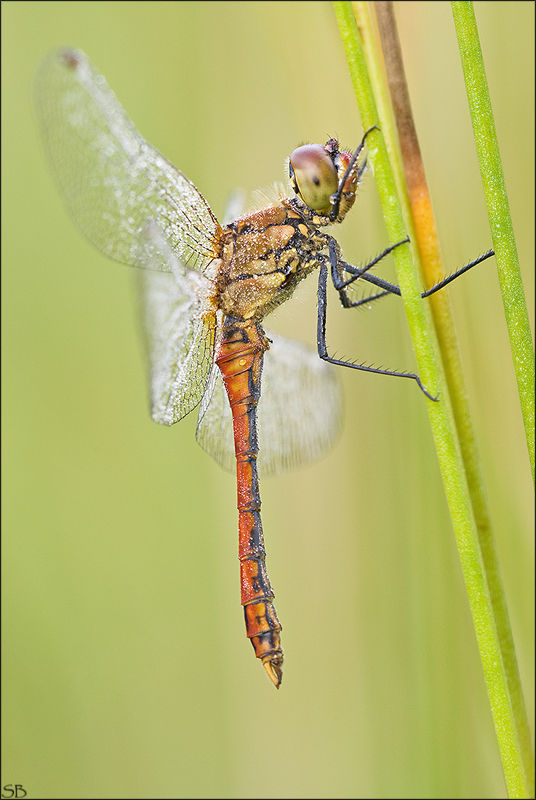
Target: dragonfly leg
336, 198
338, 266
389, 288
457, 274
321, 332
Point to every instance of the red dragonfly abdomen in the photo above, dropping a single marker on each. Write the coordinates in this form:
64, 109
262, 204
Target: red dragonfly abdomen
239, 358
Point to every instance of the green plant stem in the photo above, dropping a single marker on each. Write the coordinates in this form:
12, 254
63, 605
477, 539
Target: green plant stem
500, 221
429, 249
448, 452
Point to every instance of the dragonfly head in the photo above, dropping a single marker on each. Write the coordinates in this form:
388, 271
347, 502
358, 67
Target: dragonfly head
325, 178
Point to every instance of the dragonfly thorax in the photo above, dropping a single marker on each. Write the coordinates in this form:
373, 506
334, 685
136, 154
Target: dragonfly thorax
264, 255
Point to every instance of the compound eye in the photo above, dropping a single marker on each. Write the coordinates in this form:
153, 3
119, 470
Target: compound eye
313, 176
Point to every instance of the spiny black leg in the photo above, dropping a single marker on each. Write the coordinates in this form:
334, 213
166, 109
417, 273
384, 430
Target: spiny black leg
322, 302
360, 272
366, 301
391, 288
457, 274
321, 337
336, 278
337, 265
335, 199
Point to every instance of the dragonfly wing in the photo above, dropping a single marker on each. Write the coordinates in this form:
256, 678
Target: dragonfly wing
179, 330
215, 423
300, 409
298, 415
113, 181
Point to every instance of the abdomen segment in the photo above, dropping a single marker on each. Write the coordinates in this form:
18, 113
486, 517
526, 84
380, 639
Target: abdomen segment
239, 359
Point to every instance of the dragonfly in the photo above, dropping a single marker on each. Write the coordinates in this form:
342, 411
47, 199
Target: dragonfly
206, 290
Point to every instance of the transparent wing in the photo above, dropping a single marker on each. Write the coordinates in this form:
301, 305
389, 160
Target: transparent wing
179, 329
113, 181
214, 430
298, 416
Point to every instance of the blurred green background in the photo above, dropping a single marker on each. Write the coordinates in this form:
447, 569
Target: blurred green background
126, 668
